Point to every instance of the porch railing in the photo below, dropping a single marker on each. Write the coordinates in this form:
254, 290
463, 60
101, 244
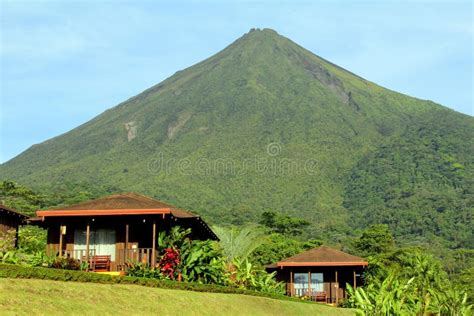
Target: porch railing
141, 255
327, 292
122, 256
78, 254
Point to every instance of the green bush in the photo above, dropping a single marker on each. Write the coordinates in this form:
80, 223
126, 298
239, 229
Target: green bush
66, 263
243, 274
143, 270
202, 262
31, 239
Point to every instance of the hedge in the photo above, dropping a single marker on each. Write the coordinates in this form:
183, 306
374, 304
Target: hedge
25, 272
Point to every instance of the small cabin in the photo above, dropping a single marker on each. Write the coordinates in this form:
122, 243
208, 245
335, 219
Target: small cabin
115, 230
321, 274
10, 220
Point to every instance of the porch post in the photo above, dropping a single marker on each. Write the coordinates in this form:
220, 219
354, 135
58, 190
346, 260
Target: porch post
126, 244
309, 282
87, 244
16, 236
291, 282
153, 250
60, 240
337, 288
355, 279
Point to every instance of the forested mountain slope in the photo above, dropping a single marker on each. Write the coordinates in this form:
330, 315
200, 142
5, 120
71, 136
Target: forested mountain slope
267, 125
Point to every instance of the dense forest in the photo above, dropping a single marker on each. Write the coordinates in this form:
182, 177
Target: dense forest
420, 184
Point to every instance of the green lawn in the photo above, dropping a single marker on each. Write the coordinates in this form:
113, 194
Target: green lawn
44, 297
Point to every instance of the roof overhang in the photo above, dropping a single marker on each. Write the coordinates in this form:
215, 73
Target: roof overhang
63, 213
282, 264
42, 215
11, 212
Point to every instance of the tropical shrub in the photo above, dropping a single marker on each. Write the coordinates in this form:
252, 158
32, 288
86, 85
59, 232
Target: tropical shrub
452, 301
205, 262
244, 275
31, 239
66, 263
7, 247
174, 238
237, 247
391, 297
413, 283
266, 282
24, 256
193, 260
202, 261
239, 243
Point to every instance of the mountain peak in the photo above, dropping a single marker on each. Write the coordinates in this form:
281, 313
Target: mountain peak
264, 35
266, 31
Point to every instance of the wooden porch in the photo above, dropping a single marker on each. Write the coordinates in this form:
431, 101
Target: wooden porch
327, 295
96, 261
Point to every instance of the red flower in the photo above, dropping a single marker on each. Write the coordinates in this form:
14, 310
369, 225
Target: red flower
169, 262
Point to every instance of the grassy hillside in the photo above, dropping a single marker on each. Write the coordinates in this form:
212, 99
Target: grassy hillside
41, 297
267, 125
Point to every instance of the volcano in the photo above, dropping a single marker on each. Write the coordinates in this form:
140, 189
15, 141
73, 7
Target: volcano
264, 125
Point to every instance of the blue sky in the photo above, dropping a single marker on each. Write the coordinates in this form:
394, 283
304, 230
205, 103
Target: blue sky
62, 63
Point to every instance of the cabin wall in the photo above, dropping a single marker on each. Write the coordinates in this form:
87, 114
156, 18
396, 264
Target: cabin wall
8, 223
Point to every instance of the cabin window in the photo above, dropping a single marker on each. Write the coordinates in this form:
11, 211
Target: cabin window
100, 240
317, 282
301, 283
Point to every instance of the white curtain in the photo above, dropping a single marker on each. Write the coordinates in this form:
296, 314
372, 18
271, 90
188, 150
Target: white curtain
100, 240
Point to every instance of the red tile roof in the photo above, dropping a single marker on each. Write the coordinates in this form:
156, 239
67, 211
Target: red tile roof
122, 204
322, 256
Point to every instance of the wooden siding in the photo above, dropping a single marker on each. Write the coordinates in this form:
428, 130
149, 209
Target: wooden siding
8, 223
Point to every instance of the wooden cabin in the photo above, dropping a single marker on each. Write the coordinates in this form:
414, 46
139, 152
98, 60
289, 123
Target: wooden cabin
321, 274
10, 220
114, 230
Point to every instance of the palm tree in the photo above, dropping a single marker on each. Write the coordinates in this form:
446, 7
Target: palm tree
239, 243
